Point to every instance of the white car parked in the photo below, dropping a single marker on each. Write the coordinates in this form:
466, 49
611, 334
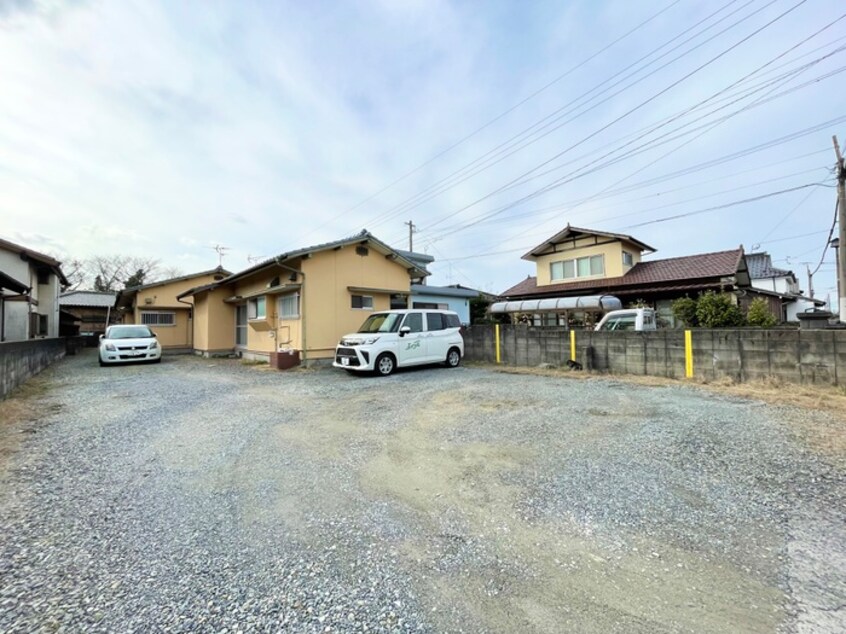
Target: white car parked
124, 344
639, 319
400, 338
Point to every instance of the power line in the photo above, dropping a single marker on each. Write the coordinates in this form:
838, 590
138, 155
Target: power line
501, 115
624, 115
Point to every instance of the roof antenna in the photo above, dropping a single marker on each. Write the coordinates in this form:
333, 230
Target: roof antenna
221, 251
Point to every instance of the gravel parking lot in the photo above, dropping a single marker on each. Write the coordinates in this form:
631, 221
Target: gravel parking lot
207, 495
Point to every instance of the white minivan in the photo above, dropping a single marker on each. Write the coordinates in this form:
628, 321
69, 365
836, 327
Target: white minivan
639, 319
399, 338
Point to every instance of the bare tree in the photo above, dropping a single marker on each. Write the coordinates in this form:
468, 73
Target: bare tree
114, 272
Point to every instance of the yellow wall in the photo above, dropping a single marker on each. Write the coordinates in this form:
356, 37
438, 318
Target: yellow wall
176, 336
325, 303
163, 298
613, 253
327, 299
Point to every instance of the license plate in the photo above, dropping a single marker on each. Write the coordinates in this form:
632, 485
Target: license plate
345, 360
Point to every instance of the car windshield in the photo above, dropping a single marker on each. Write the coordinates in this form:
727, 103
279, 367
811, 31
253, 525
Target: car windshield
381, 322
129, 332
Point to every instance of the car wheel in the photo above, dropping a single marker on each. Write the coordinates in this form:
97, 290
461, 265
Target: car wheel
453, 358
100, 361
385, 364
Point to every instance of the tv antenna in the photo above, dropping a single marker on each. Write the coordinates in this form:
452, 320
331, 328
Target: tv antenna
221, 251
253, 259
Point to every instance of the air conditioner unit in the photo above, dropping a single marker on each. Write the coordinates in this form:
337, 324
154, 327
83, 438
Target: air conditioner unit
148, 300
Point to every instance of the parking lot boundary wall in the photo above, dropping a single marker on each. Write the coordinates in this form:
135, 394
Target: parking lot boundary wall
21, 360
794, 356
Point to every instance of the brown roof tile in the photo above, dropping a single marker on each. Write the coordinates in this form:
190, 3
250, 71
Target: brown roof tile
671, 273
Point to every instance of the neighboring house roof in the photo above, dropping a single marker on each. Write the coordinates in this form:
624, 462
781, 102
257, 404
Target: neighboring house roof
364, 237
217, 270
443, 291
10, 283
573, 232
124, 298
418, 258
53, 263
88, 299
761, 267
690, 272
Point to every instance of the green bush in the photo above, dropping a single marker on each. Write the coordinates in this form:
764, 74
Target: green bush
759, 314
718, 310
684, 310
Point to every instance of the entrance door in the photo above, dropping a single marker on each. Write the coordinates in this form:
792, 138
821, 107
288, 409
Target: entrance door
241, 326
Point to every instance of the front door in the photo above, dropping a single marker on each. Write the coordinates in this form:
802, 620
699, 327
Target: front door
412, 346
241, 326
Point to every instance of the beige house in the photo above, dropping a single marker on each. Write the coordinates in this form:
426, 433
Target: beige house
301, 301
582, 272
158, 306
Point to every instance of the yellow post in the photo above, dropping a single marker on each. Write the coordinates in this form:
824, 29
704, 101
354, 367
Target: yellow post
572, 345
496, 342
688, 354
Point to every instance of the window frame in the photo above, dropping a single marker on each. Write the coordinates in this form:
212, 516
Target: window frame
253, 306
362, 298
158, 313
288, 316
630, 257
574, 264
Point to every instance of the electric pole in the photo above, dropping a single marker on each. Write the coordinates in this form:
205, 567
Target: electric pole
810, 279
840, 171
411, 230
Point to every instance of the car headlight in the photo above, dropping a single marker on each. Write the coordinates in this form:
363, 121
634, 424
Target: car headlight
111, 347
370, 341
153, 345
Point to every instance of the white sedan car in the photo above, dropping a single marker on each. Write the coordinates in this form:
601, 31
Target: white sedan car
124, 344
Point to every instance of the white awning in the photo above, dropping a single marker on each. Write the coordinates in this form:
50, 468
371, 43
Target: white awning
558, 304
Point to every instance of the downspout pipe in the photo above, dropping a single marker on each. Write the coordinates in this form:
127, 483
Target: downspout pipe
191, 313
302, 304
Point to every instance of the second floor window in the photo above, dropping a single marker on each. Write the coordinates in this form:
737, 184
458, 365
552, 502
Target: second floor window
628, 260
589, 266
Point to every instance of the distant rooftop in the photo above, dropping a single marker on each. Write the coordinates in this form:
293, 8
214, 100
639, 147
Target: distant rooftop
88, 299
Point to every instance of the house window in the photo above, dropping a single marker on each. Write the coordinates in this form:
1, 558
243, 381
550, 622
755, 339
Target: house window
580, 267
257, 308
42, 325
628, 260
158, 319
431, 305
289, 306
364, 302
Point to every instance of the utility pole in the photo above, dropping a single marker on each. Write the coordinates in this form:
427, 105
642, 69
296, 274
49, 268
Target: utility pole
840, 171
810, 279
411, 231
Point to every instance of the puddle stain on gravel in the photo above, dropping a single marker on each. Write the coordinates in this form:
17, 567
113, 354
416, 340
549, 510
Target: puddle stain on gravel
549, 579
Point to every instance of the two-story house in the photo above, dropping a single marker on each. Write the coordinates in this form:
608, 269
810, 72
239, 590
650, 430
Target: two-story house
30, 283
590, 272
303, 300
781, 284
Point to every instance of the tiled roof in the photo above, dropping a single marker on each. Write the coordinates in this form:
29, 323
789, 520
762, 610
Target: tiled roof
761, 267
89, 299
681, 273
443, 291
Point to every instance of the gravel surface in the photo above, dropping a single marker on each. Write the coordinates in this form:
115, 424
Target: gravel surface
203, 495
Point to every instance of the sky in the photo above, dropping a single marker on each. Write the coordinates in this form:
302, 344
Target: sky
164, 129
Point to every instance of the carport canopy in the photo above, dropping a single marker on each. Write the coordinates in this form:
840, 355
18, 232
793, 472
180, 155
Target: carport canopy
557, 304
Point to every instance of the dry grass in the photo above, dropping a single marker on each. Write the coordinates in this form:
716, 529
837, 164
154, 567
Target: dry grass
19, 414
830, 399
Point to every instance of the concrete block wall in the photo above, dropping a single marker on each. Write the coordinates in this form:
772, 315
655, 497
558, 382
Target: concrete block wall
795, 356
20, 360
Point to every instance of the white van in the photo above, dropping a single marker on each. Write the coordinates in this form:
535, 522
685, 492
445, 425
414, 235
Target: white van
640, 319
400, 338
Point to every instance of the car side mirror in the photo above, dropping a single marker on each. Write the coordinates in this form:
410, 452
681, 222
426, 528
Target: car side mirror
102, 337
404, 331
154, 334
